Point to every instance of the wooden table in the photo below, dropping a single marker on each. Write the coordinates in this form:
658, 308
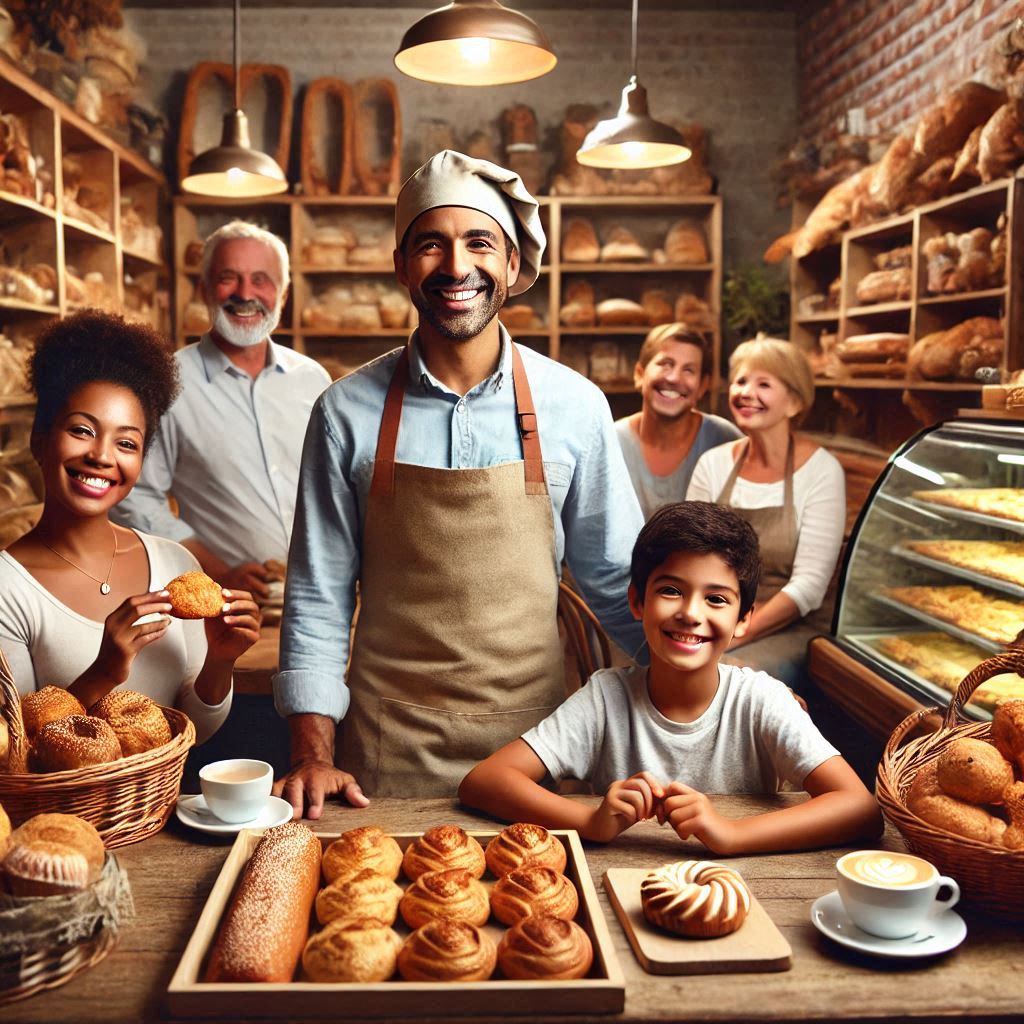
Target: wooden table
172, 874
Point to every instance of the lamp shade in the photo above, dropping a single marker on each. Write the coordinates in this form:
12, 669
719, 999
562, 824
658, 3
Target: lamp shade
234, 169
475, 42
633, 139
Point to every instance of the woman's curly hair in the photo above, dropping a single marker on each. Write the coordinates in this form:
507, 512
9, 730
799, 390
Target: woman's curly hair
92, 345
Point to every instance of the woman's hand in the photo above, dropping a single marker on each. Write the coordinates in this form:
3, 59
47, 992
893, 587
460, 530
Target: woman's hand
124, 636
235, 630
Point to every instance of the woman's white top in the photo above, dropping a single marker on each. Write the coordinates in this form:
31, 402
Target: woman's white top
49, 644
819, 498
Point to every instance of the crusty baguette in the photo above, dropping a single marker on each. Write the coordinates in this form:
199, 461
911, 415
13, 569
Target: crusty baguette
267, 923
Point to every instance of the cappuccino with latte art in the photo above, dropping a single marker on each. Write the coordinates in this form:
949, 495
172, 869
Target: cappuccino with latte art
887, 869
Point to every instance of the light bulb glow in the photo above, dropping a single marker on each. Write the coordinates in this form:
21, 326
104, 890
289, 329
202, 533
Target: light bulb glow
475, 50
633, 150
235, 175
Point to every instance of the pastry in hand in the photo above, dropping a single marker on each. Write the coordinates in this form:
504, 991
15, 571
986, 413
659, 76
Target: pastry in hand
361, 848
545, 948
440, 848
695, 897
447, 950
533, 889
193, 595
521, 844
454, 893
137, 721
364, 894
362, 950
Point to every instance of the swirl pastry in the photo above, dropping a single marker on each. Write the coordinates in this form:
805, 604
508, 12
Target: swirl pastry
522, 844
543, 947
454, 893
361, 950
440, 848
360, 848
364, 894
533, 889
695, 897
447, 950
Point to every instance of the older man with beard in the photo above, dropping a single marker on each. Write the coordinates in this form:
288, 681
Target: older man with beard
229, 448
449, 479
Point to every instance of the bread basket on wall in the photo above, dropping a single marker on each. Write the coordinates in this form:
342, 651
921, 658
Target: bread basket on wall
990, 877
127, 800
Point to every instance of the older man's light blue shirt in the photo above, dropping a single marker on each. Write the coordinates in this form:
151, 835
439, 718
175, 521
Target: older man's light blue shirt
596, 516
229, 451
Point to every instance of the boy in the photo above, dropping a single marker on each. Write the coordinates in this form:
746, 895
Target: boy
654, 742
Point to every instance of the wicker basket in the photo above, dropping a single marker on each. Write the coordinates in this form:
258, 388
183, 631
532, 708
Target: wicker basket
989, 876
127, 800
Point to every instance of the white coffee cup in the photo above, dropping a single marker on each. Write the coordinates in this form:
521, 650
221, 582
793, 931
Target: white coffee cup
891, 894
237, 789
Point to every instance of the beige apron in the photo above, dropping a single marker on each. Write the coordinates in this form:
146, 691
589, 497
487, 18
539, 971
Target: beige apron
456, 651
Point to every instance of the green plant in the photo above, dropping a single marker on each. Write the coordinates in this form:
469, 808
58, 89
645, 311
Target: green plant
754, 301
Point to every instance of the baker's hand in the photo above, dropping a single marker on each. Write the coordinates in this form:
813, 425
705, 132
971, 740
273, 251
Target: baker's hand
250, 576
235, 630
690, 813
626, 802
309, 783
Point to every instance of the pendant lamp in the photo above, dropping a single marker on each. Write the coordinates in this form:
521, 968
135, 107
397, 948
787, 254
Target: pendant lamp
633, 139
234, 169
475, 42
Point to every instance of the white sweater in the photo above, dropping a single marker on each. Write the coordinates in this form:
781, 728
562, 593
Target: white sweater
819, 497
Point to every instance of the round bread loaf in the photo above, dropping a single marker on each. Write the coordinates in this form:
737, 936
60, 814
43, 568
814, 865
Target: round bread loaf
74, 742
973, 770
1007, 732
137, 721
545, 947
443, 847
523, 843
447, 950
361, 950
65, 830
533, 889
40, 868
364, 894
360, 848
454, 893
50, 704
695, 897
193, 595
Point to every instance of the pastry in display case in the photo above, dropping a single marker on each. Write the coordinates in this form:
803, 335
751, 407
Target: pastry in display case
933, 581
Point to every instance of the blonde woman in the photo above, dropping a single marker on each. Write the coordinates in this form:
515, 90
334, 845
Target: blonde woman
791, 491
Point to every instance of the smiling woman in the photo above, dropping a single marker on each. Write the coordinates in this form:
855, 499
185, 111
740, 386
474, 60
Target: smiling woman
82, 603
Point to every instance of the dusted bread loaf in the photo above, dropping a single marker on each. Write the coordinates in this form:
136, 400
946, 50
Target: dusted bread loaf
265, 928
695, 897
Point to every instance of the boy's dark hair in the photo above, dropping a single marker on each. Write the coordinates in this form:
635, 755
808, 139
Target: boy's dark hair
95, 346
702, 528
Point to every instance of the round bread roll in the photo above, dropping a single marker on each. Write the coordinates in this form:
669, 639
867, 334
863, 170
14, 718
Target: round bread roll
41, 868
50, 704
74, 742
1007, 733
522, 844
195, 596
695, 897
362, 950
64, 830
930, 802
533, 889
360, 848
443, 847
542, 946
447, 950
454, 893
364, 894
137, 721
973, 770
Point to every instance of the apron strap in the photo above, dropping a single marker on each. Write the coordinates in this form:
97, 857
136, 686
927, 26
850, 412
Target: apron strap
725, 496
383, 483
789, 510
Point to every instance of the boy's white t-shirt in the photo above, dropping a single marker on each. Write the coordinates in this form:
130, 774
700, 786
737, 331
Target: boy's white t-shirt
753, 737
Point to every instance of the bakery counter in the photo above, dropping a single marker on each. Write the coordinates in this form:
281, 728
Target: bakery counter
173, 872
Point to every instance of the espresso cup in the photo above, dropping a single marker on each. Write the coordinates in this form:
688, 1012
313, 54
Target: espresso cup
891, 894
237, 789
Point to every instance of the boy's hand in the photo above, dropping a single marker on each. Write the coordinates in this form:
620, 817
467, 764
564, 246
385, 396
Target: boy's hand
626, 802
691, 813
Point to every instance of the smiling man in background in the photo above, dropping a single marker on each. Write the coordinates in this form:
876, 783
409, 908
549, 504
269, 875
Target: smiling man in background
229, 448
449, 479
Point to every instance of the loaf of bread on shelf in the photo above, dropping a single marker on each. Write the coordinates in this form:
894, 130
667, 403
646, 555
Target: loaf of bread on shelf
519, 315
1001, 145
864, 348
685, 243
693, 311
658, 305
579, 242
579, 308
955, 354
944, 128
622, 246
621, 313
891, 259
884, 286
329, 246
897, 170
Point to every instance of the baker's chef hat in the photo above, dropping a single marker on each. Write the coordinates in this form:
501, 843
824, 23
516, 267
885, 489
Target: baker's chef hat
454, 179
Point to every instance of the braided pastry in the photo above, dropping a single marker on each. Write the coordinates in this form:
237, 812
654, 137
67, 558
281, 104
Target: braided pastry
545, 947
521, 844
695, 897
533, 889
447, 950
440, 848
454, 893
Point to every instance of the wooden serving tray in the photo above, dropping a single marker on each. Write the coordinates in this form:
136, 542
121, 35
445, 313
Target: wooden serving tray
756, 946
602, 991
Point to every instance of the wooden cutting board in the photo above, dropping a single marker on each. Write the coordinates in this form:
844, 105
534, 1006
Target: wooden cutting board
757, 945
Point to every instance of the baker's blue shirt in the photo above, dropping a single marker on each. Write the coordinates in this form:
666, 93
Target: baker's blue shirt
595, 512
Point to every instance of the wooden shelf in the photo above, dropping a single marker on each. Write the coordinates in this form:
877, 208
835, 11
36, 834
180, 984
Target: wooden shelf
634, 268
351, 332
17, 306
147, 261
899, 383
15, 207
17, 401
87, 231
878, 309
943, 300
829, 317
604, 331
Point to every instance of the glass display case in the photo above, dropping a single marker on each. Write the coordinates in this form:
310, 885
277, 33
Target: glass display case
933, 580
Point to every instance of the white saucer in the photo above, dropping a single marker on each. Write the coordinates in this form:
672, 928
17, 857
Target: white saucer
192, 811
939, 934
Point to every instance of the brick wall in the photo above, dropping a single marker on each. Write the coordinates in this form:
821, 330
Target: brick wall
892, 58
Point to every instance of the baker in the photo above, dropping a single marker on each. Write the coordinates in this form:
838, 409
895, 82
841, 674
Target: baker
448, 478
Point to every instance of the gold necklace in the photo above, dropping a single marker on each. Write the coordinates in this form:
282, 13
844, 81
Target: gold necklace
105, 582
